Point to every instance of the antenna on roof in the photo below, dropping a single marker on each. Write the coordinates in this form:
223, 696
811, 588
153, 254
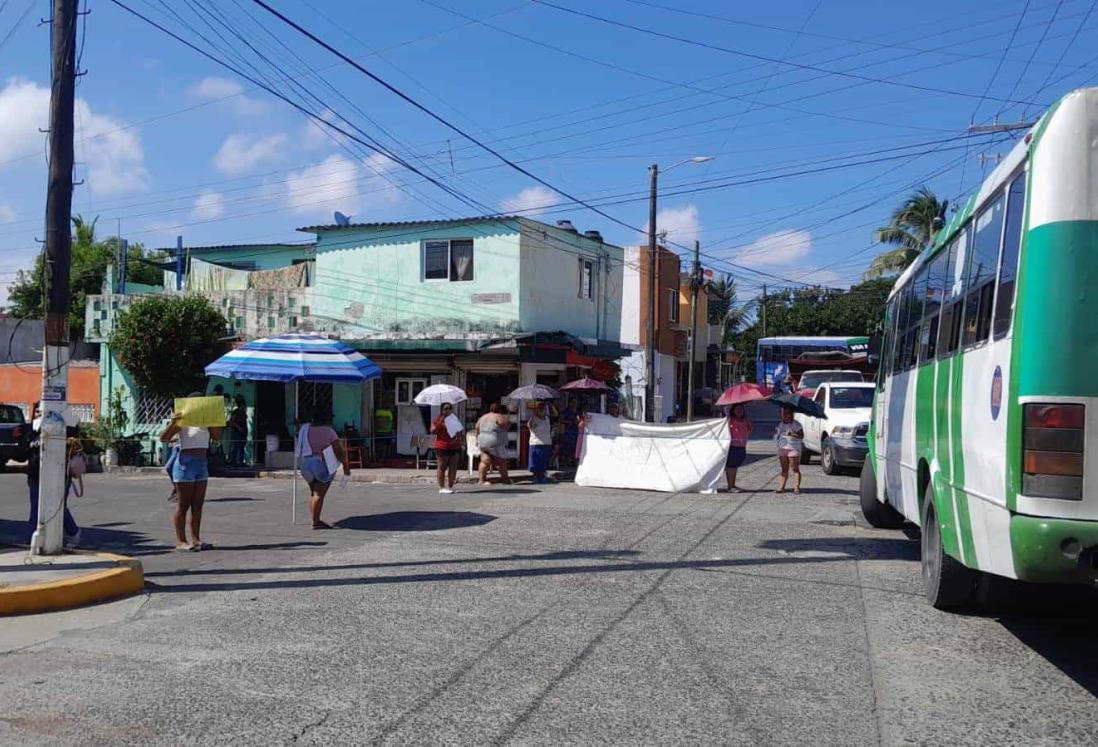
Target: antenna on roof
341, 219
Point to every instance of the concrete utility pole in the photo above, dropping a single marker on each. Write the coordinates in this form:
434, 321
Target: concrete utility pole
996, 127
48, 536
650, 355
695, 286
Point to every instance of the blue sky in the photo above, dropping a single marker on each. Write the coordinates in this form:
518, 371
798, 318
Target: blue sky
170, 143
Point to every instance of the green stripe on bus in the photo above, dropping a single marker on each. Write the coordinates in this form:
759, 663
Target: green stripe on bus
946, 516
964, 521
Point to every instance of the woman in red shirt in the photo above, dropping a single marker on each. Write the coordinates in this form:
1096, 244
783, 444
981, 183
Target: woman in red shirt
739, 428
448, 447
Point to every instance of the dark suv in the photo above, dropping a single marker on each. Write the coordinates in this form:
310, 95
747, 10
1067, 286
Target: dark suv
14, 435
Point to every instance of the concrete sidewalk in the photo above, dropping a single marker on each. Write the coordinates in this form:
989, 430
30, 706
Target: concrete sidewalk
42, 583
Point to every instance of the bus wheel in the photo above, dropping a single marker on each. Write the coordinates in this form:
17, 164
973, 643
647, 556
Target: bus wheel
827, 458
879, 515
947, 583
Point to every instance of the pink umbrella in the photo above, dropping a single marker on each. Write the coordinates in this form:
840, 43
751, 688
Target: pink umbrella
586, 384
740, 393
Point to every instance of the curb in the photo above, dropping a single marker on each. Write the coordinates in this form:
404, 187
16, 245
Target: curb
100, 586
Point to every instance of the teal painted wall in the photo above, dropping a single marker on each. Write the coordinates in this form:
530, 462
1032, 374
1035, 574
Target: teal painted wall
373, 279
266, 257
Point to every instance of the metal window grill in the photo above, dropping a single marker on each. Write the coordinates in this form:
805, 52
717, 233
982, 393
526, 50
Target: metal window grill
151, 409
315, 396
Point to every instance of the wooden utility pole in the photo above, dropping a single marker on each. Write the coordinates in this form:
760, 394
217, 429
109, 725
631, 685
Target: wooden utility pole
764, 310
48, 536
695, 286
653, 256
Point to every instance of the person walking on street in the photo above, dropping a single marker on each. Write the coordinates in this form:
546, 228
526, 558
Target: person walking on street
315, 438
789, 437
190, 475
739, 428
448, 448
492, 441
541, 443
238, 432
71, 531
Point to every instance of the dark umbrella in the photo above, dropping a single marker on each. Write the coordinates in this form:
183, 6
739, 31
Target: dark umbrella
588, 384
797, 403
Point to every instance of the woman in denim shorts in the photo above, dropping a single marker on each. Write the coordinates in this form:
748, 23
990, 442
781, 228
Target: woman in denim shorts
190, 474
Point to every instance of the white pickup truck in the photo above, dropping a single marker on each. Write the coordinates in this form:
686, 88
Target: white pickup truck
840, 439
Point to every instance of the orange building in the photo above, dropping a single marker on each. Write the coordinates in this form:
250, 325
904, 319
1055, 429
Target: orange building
21, 384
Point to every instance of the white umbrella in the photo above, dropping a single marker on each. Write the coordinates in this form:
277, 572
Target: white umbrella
440, 394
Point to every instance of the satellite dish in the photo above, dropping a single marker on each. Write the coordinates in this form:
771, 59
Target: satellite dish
341, 219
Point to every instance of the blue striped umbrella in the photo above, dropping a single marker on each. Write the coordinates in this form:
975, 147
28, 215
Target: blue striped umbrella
295, 357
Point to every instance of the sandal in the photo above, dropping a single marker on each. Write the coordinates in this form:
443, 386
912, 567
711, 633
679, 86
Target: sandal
184, 548
321, 525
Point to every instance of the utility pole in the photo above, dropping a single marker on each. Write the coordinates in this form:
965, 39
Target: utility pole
650, 357
48, 536
764, 310
996, 127
695, 286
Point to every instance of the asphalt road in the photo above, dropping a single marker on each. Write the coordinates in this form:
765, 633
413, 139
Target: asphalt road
535, 615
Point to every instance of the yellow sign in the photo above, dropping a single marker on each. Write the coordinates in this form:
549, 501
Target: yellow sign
207, 412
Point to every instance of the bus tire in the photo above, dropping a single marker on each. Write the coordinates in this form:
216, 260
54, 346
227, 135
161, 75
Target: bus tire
879, 515
947, 583
827, 458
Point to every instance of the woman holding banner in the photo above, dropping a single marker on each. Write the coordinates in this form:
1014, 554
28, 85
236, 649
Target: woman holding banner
190, 474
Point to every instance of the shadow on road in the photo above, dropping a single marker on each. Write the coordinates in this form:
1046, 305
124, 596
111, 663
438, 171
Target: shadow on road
99, 536
414, 521
878, 548
560, 555
232, 499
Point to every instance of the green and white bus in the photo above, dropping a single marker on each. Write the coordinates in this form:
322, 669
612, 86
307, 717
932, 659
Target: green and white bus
985, 421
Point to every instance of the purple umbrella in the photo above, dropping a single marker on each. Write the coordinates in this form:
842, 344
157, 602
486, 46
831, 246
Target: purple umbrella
586, 384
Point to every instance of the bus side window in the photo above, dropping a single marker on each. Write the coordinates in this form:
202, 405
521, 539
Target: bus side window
980, 279
1008, 265
918, 307
950, 333
935, 292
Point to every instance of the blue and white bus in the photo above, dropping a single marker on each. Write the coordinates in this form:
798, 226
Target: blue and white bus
774, 353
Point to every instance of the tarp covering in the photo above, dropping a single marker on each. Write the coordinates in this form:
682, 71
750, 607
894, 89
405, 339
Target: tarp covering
687, 457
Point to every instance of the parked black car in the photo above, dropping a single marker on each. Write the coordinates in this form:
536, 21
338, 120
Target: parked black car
14, 435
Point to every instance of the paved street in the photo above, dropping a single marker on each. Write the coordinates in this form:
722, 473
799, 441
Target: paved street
533, 615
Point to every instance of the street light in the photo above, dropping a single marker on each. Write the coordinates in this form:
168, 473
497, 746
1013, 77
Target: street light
650, 364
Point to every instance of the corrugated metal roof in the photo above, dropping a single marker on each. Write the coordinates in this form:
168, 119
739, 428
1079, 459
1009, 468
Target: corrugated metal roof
234, 247
408, 223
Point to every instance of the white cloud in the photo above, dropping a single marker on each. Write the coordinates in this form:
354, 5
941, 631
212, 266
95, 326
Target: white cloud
781, 248
681, 224
315, 136
108, 156
232, 92
6, 213
530, 202
337, 183
241, 154
209, 205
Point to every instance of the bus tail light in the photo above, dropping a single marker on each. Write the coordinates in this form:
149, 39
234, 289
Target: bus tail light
1052, 460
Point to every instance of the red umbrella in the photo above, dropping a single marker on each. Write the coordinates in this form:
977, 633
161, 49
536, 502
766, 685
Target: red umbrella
739, 393
587, 384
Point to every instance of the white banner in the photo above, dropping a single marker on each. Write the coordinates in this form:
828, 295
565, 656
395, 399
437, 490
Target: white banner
686, 457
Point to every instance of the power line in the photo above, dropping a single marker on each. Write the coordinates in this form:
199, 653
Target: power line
764, 58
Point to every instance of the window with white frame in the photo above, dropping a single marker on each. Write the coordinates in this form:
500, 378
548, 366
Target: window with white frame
450, 259
407, 389
586, 279
673, 305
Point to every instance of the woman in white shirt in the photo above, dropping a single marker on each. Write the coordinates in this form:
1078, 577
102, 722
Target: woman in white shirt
190, 474
541, 443
789, 437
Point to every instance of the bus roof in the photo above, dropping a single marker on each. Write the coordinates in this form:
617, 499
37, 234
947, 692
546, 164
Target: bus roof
811, 340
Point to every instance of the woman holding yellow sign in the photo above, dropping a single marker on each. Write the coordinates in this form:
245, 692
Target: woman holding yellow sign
196, 422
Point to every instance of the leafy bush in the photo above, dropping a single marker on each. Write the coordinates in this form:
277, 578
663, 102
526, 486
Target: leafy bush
165, 342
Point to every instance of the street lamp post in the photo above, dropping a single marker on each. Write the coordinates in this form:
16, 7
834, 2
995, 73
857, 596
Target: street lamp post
653, 257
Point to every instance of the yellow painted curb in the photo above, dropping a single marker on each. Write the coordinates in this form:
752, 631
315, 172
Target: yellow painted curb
100, 586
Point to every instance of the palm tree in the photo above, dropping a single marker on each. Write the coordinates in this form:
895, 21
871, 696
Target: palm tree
911, 229
725, 309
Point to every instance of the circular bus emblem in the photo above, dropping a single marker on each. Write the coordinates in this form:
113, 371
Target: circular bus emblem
996, 392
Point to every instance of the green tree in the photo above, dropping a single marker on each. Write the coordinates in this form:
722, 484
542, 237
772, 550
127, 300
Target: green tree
911, 230
87, 271
165, 342
725, 308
